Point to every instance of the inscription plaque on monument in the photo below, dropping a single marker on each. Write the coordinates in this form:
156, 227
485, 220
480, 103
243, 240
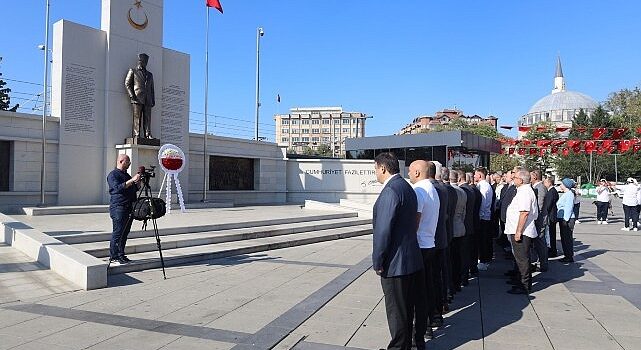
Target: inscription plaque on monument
172, 121
231, 173
80, 99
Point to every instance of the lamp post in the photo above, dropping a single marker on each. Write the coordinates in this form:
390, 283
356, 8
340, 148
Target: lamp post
259, 33
45, 48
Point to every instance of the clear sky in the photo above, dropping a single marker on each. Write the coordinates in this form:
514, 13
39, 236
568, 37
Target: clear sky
393, 60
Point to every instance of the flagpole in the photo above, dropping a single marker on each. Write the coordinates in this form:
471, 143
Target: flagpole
44, 109
206, 117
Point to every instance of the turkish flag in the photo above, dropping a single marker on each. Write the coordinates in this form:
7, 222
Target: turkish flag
526, 142
524, 128
542, 152
533, 151
607, 144
543, 143
562, 128
555, 150
215, 4
590, 146
558, 142
574, 143
636, 148
566, 152
597, 133
624, 145
601, 150
521, 151
617, 133
510, 151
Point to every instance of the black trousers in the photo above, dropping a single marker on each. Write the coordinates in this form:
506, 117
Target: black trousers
552, 228
440, 274
567, 239
121, 227
602, 211
401, 305
485, 242
456, 263
429, 267
630, 213
521, 250
539, 249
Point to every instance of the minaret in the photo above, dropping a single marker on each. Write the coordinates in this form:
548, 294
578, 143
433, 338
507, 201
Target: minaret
559, 81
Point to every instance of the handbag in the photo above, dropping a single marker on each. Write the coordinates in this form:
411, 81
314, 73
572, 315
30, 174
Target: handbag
146, 208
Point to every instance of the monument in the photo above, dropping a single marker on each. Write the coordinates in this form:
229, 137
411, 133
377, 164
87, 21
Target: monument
99, 115
139, 83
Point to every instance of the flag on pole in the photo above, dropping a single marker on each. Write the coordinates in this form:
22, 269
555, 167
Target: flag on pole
215, 4
278, 98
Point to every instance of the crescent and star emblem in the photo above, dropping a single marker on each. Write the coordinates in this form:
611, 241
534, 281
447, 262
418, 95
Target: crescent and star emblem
139, 26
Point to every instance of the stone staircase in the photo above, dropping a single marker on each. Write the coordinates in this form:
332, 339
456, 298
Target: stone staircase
181, 245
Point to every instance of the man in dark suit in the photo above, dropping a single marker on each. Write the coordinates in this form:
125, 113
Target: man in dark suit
507, 194
139, 83
471, 216
549, 209
396, 256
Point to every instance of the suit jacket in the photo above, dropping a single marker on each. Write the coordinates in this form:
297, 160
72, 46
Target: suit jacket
396, 249
440, 238
140, 86
549, 205
470, 207
507, 194
451, 209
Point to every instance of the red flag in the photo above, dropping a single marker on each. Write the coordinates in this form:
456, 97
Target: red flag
525, 142
574, 143
510, 151
617, 133
624, 145
521, 151
543, 143
636, 148
638, 130
524, 128
533, 151
554, 150
566, 152
558, 142
215, 4
597, 133
562, 128
590, 146
607, 144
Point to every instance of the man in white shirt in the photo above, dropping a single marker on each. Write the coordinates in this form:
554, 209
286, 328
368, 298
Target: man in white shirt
485, 244
520, 228
428, 206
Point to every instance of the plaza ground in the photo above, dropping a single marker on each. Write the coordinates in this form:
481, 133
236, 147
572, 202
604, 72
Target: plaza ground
325, 296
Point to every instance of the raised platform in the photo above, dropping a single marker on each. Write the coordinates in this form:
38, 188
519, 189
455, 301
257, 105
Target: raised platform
103, 208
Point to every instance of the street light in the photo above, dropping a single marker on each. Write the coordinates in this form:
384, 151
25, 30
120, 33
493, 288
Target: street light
45, 49
259, 33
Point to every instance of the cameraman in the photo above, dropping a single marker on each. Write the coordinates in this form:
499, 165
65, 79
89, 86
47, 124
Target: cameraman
122, 188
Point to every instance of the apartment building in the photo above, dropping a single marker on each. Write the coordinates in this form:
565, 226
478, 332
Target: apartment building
444, 117
316, 126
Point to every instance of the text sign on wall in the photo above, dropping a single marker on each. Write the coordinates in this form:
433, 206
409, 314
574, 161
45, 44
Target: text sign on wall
332, 175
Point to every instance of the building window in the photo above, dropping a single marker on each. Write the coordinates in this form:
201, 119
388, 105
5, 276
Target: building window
345, 121
354, 130
315, 131
294, 131
325, 139
304, 131
5, 162
232, 173
315, 139
346, 130
304, 121
284, 139
285, 131
337, 121
295, 139
284, 122
325, 130
325, 121
337, 129
315, 121
305, 139
294, 121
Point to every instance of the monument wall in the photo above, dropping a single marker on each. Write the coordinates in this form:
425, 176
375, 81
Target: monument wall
78, 80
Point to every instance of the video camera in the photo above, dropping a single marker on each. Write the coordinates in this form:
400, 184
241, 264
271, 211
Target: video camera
146, 174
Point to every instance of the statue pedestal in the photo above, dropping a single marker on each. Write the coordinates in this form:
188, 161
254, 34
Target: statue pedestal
143, 155
142, 141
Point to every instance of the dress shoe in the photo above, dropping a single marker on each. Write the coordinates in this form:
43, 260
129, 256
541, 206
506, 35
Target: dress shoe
552, 253
446, 308
437, 322
566, 260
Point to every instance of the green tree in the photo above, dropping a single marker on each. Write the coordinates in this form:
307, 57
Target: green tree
503, 162
463, 125
625, 105
308, 151
324, 150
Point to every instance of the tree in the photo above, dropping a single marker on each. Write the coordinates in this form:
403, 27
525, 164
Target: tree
503, 162
625, 105
308, 151
463, 125
324, 150
5, 101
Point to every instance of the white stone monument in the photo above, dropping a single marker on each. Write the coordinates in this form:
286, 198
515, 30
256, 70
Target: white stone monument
89, 96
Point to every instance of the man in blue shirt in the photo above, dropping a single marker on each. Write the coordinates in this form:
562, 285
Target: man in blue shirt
122, 188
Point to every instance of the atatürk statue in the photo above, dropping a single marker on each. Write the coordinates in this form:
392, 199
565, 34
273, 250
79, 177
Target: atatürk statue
140, 87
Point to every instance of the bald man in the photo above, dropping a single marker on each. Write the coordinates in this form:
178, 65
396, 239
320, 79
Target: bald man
122, 188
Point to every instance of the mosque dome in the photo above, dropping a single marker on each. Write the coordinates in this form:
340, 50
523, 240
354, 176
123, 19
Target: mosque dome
561, 106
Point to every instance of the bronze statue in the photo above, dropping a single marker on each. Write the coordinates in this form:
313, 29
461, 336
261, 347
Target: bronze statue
140, 87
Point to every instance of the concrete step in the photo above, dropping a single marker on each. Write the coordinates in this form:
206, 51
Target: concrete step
148, 243
177, 256
103, 208
87, 237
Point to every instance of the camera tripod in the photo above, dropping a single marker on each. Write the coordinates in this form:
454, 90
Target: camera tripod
145, 194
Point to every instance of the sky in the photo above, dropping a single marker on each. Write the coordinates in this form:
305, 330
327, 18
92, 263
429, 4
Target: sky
391, 60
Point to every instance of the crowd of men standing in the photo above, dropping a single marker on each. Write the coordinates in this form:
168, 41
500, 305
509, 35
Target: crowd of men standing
432, 236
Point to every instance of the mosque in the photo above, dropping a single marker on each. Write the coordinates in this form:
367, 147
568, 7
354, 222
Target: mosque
561, 106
